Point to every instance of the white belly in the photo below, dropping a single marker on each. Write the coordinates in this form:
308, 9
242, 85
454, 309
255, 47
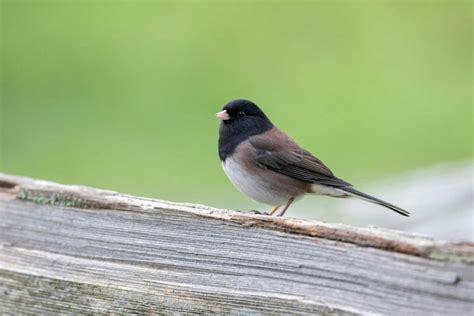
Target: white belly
255, 186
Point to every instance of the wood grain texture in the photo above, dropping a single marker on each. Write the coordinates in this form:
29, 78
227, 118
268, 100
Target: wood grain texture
81, 250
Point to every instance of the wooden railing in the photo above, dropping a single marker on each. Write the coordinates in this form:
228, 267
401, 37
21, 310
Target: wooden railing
77, 250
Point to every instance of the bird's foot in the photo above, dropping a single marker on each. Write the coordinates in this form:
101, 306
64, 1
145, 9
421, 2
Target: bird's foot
258, 212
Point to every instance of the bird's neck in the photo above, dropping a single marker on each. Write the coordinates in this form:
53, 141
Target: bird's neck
231, 135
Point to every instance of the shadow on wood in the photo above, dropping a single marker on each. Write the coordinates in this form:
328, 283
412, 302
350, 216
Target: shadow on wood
81, 250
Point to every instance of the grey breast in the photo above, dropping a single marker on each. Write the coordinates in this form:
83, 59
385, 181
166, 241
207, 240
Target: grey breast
260, 184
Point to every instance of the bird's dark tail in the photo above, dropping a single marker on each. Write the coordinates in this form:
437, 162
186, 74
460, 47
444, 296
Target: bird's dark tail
361, 195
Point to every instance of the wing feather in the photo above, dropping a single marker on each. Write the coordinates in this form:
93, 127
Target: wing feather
277, 152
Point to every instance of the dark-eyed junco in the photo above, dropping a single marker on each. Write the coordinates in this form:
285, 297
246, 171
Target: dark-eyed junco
268, 166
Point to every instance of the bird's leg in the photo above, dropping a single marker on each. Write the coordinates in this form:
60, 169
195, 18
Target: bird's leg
286, 206
274, 210
265, 213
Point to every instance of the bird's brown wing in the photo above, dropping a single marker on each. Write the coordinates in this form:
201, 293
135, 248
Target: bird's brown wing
276, 151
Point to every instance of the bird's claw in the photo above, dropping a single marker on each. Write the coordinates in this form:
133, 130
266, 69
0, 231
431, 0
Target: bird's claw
258, 212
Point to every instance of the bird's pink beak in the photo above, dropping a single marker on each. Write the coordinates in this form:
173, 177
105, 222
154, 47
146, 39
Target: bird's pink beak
223, 115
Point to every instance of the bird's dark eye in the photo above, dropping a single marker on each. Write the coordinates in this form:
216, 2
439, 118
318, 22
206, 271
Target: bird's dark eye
241, 114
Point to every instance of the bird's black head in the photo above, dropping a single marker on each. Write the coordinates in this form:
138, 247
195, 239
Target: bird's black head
240, 110
240, 120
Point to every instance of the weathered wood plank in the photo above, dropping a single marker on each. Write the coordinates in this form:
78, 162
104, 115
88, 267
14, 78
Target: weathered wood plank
81, 250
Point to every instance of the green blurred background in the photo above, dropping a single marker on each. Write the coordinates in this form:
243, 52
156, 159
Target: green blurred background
122, 94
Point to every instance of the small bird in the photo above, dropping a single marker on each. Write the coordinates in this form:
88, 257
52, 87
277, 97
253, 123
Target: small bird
269, 167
